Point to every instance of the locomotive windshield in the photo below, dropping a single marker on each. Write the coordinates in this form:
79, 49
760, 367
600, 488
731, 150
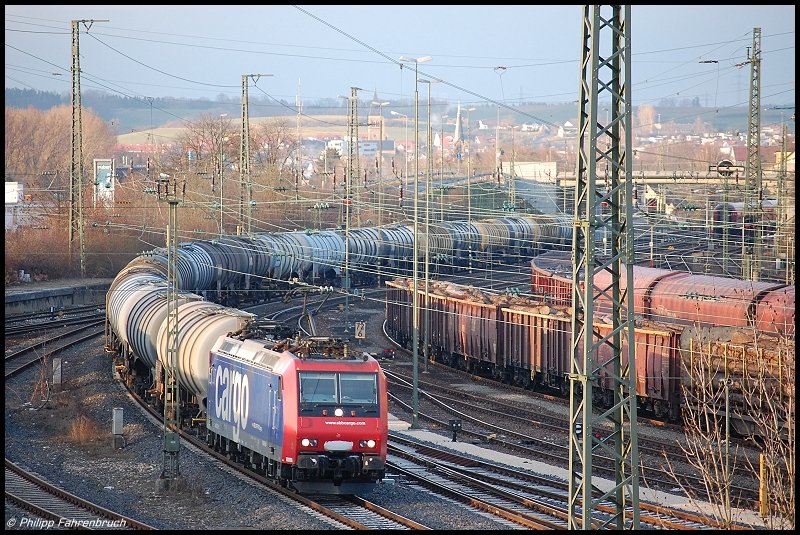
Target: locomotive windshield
340, 388
358, 388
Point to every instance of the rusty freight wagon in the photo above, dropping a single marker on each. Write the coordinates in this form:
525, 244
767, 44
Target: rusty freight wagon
527, 342
523, 341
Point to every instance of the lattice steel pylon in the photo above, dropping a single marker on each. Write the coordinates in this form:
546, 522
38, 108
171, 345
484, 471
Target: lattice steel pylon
245, 180
245, 187
751, 251
604, 72
76, 223
169, 192
353, 171
76, 152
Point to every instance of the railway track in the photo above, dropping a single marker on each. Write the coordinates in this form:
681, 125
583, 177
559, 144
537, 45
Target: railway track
545, 449
22, 358
57, 507
382, 519
534, 497
522, 421
49, 505
16, 319
519, 426
49, 322
53, 506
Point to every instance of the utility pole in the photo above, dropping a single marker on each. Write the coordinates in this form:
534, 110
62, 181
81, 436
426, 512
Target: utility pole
405, 153
752, 215
708, 231
415, 256
245, 183
469, 192
76, 223
783, 228
245, 189
497, 162
169, 192
380, 181
298, 165
426, 321
352, 161
607, 73
512, 186
221, 174
441, 172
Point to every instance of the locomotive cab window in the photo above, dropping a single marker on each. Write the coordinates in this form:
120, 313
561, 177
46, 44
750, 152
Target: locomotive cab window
340, 388
317, 387
358, 388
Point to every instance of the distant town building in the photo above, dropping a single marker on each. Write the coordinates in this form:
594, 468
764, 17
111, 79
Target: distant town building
366, 147
567, 130
537, 171
19, 212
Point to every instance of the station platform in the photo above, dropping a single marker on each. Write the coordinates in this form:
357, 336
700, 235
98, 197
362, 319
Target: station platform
43, 295
399, 426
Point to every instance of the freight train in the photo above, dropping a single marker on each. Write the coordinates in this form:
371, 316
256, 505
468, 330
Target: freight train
526, 341
237, 269
327, 430
215, 275
303, 412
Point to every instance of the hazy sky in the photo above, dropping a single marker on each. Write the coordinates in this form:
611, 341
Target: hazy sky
201, 52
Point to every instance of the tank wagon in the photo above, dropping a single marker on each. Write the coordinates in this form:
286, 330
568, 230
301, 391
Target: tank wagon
235, 270
526, 341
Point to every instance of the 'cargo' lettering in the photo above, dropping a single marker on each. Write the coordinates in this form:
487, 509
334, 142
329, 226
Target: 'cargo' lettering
232, 396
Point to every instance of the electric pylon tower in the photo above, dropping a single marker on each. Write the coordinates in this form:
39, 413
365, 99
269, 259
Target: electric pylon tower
76, 224
76, 152
752, 212
168, 191
298, 160
354, 157
76, 161
245, 188
606, 75
352, 171
245, 181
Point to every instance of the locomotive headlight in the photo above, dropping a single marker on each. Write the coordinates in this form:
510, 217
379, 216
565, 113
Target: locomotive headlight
367, 443
338, 412
306, 442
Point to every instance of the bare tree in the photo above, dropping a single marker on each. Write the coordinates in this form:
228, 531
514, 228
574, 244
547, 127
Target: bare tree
645, 118
38, 154
736, 381
768, 393
276, 140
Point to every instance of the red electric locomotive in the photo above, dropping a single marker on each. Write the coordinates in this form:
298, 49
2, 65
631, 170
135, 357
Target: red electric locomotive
305, 413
